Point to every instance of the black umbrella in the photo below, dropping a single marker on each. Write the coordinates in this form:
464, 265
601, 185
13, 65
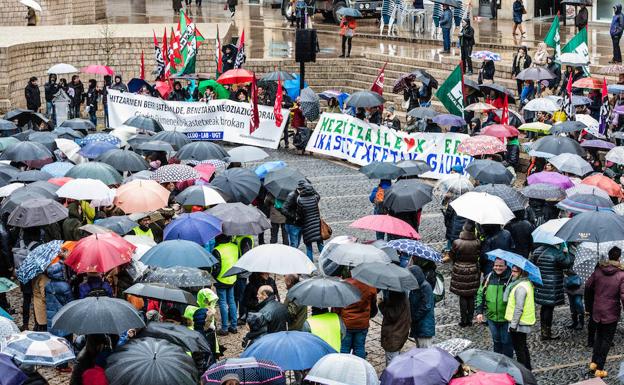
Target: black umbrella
385, 276
23, 135
45, 138
567, 126
14, 200
24, 117
30, 176
593, 226
381, 170
121, 224
95, 170
535, 74
324, 292
162, 292
489, 171
136, 140
310, 104
239, 184
178, 276
43, 188
282, 181
97, 315
37, 212
151, 361
407, 195
423, 113
174, 138
155, 145
79, 124
26, 151
201, 151
67, 133
426, 78
500, 90
414, 167
556, 145
491, 362
124, 160
273, 76
512, 197
7, 125
144, 123
189, 340
7, 173
365, 99
470, 86
240, 219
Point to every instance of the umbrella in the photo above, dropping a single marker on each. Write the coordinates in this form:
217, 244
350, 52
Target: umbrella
7, 190
310, 104
178, 252
512, 197
249, 371
348, 12
612, 69
425, 78
593, 226
38, 260
541, 104
518, 261
491, 362
489, 171
201, 151
218, 89
471, 87
354, 254
550, 177
535, 73
70, 149
11, 374
57, 169
454, 346
99, 253
567, 126
365, 99
615, 155
615, 89
483, 378
100, 137
479, 107
84, 189
588, 83
140, 196
545, 233
586, 189
499, 90
206, 171
6, 285
275, 259
324, 292
30, 176
144, 123
26, 151
7, 125
25, 117
381, 170
538, 127
407, 195
415, 248
240, 219
155, 145
37, 212
124, 160
545, 191
97, 69
199, 196
162, 292
176, 139
432, 366
189, 340
598, 144
414, 167
571, 163
579, 203
78, 124
246, 154
277, 75
500, 131
486, 55
174, 173
38, 348
481, 145
198, 227
135, 85
95, 170
386, 224
423, 113
449, 120
589, 254
342, 368
95, 229
120, 224
236, 76
472, 206
292, 350
385, 276
7, 329
450, 3
267, 167
452, 186
62, 69
19, 196
238, 184
178, 276
97, 315
45, 138
283, 181
605, 183
151, 361
94, 149
402, 83
573, 59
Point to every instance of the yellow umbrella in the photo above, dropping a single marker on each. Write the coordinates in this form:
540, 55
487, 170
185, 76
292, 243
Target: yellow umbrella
538, 127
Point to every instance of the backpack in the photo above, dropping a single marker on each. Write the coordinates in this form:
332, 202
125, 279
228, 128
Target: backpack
439, 291
97, 291
21, 251
379, 196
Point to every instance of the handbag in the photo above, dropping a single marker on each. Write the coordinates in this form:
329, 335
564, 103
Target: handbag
349, 32
524, 11
326, 230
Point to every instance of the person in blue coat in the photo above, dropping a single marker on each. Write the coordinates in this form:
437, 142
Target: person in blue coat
615, 30
422, 306
376, 197
446, 23
58, 293
518, 11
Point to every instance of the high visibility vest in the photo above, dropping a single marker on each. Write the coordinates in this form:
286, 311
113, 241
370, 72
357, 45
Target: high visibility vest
137, 231
238, 240
528, 311
326, 327
229, 256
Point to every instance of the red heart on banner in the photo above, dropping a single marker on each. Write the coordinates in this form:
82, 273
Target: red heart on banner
411, 142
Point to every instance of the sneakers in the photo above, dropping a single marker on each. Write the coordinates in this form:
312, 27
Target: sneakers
593, 366
601, 373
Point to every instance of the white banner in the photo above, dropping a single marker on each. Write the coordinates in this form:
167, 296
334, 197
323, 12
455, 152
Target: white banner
217, 120
359, 142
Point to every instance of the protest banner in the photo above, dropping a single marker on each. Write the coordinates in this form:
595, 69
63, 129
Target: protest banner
343, 136
216, 120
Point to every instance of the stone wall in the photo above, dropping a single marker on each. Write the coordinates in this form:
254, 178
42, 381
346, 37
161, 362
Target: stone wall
55, 12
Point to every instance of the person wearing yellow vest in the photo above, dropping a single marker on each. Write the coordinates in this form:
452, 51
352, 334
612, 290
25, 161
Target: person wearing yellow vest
227, 254
143, 229
328, 327
520, 313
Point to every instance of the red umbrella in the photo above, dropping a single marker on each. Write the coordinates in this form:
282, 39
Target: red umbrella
500, 131
60, 181
206, 170
98, 69
484, 378
605, 183
99, 253
386, 224
164, 88
236, 76
589, 83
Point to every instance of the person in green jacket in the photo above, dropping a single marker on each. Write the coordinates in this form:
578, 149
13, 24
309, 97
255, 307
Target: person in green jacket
491, 304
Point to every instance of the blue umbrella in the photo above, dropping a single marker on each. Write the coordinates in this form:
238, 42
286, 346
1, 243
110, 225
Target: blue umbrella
416, 248
100, 138
135, 84
121, 224
94, 149
57, 169
38, 260
292, 87
178, 252
486, 55
198, 227
519, 261
11, 374
267, 167
289, 350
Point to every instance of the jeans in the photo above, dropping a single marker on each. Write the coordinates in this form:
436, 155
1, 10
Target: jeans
617, 54
275, 228
309, 252
93, 117
346, 40
227, 307
604, 338
500, 338
519, 341
446, 37
294, 235
354, 341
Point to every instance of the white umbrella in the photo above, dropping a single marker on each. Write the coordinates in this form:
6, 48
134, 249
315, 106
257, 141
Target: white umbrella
84, 189
8, 189
482, 208
247, 154
276, 259
124, 133
571, 163
587, 120
354, 254
573, 59
541, 104
587, 189
546, 232
342, 369
32, 4
70, 149
616, 155
62, 68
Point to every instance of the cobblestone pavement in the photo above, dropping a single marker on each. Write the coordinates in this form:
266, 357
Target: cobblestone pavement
344, 193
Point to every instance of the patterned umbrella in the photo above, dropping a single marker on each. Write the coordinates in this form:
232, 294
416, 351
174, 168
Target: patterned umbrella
38, 260
401, 84
249, 370
7, 285
454, 345
545, 191
174, 173
7, 329
57, 169
500, 131
416, 248
481, 145
588, 254
613, 69
310, 104
38, 348
512, 197
178, 276
486, 55
99, 137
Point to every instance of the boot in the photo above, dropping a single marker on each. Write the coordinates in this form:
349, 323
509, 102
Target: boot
547, 334
574, 323
581, 322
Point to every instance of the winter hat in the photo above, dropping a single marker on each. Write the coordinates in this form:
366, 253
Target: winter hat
230, 376
458, 169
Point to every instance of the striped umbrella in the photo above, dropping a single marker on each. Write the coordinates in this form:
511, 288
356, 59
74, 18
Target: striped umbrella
481, 145
38, 348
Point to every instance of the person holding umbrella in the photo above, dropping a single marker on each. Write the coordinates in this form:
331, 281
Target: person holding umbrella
347, 31
520, 313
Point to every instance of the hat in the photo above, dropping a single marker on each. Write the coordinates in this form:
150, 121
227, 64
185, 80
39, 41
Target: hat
458, 169
230, 376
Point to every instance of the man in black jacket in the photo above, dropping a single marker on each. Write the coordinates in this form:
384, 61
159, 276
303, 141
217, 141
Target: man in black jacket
520, 229
32, 94
50, 88
77, 97
275, 313
466, 42
581, 18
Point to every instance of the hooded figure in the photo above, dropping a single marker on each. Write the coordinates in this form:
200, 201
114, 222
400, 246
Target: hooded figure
179, 94
229, 56
119, 84
616, 29
71, 225
32, 95
57, 294
422, 305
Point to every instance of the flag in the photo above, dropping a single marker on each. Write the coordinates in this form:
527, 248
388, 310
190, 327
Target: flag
605, 109
171, 54
578, 44
566, 102
505, 112
142, 69
277, 106
165, 52
378, 84
218, 55
254, 122
240, 56
450, 92
175, 45
189, 41
159, 69
553, 39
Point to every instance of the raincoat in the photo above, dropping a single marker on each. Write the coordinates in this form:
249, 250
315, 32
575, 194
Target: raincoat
57, 294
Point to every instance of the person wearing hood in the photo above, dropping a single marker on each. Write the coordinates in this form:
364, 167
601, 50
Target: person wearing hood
229, 56
465, 274
581, 18
396, 323
466, 42
32, 94
520, 313
91, 101
143, 229
422, 308
71, 224
520, 229
77, 96
179, 94
555, 69
50, 89
58, 293
605, 290
376, 197
495, 238
119, 85
616, 29
488, 69
308, 206
293, 217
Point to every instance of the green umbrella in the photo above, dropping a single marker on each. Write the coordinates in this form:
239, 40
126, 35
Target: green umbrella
96, 170
218, 89
6, 142
6, 285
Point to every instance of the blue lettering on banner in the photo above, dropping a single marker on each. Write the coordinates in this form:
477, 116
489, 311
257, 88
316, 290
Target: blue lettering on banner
443, 164
208, 135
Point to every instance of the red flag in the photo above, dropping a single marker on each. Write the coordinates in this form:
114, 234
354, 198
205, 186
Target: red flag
505, 113
165, 52
277, 107
379, 82
254, 122
142, 71
175, 45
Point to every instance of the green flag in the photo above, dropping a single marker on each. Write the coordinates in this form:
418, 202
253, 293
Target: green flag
553, 38
578, 45
190, 38
450, 93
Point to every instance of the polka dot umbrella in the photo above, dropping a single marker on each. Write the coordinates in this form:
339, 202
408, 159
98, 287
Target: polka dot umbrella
416, 248
174, 173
